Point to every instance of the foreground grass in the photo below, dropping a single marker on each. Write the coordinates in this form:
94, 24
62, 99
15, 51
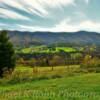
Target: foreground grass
83, 87
27, 74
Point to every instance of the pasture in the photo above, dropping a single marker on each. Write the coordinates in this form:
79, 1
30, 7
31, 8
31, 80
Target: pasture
82, 87
45, 49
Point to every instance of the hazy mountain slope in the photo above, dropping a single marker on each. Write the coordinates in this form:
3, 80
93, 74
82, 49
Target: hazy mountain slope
28, 38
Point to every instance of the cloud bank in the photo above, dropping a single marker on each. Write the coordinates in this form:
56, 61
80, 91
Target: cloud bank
48, 15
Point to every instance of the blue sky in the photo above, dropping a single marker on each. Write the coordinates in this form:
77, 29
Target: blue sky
50, 15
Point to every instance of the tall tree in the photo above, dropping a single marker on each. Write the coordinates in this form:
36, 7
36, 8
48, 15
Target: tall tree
7, 54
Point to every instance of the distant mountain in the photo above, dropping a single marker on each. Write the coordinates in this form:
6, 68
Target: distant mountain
37, 38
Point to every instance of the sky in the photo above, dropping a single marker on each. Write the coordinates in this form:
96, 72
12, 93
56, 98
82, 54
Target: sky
50, 15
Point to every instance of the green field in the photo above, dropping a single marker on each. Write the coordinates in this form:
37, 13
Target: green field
44, 49
77, 87
85, 87
66, 49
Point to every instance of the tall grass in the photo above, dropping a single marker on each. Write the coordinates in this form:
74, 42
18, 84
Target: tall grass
27, 74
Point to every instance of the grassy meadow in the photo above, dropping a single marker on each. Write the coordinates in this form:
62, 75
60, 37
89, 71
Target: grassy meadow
63, 83
83, 87
45, 49
25, 74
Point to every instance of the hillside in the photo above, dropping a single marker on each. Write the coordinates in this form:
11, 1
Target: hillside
36, 38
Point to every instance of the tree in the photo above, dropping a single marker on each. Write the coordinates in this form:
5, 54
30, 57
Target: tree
34, 63
7, 54
91, 64
56, 61
76, 57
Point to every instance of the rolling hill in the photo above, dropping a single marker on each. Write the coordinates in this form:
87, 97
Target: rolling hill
48, 38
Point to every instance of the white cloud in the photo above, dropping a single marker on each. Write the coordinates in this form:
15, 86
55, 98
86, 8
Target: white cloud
30, 6
12, 3
2, 24
57, 2
10, 14
87, 1
80, 14
34, 6
65, 26
31, 28
90, 26
37, 7
84, 25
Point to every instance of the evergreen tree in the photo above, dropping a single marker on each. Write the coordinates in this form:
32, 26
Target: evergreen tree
7, 54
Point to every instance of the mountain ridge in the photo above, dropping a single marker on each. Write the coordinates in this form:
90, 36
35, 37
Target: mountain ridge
48, 38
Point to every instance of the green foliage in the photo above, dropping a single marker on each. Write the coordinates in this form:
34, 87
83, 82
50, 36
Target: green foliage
91, 64
76, 55
7, 54
57, 61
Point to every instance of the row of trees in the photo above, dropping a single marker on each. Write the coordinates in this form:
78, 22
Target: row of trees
88, 63
53, 60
